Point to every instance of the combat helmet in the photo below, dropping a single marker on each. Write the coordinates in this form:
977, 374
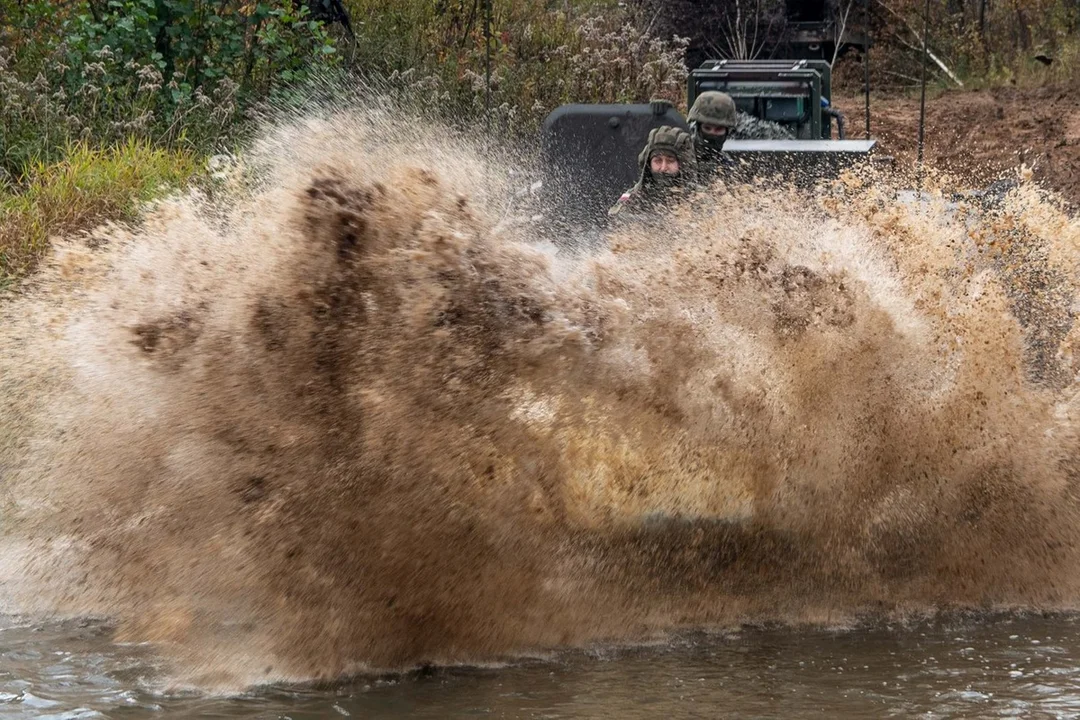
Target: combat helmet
715, 108
666, 139
673, 140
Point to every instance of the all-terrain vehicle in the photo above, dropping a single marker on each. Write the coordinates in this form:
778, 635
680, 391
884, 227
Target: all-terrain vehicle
589, 152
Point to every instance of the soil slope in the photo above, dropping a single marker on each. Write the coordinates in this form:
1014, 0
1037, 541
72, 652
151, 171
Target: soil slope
983, 134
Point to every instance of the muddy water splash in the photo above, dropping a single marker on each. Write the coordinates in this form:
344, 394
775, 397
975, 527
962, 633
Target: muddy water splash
345, 425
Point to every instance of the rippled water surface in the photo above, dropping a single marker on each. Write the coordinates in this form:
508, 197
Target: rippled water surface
1008, 667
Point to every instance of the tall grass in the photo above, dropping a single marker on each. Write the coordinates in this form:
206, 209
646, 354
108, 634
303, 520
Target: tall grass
543, 54
88, 186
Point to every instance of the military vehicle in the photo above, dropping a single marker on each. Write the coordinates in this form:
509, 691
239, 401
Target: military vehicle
589, 152
810, 30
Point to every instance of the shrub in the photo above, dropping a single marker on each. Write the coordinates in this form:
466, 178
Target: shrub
178, 73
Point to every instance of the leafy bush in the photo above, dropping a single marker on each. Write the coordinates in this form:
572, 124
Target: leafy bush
175, 72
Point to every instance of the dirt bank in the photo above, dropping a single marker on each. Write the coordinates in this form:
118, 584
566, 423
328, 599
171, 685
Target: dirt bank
983, 133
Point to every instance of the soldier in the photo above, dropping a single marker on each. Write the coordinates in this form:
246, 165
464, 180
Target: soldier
712, 119
667, 166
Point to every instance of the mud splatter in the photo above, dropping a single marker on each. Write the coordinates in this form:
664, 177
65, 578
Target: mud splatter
342, 425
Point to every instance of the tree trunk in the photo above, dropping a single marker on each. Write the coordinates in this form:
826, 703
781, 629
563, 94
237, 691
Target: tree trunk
1023, 32
161, 41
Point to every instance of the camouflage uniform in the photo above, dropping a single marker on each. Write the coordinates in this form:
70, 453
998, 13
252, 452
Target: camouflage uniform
652, 189
752, 128
715, 108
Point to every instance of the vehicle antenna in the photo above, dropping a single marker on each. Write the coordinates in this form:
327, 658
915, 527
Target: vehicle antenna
866, 61
922, 100
487, 67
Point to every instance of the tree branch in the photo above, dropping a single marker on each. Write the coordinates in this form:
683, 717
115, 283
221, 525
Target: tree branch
918, 37
840, 33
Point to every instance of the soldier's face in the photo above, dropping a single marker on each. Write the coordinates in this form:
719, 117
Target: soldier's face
664, 164
713, 131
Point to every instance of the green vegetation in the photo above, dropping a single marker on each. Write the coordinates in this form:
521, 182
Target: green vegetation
88, 186
178, 73
104, 102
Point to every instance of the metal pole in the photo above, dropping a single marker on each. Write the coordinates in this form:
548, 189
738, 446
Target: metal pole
922, 100
866, 61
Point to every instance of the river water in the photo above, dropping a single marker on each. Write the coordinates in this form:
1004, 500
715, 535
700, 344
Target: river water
1002, 667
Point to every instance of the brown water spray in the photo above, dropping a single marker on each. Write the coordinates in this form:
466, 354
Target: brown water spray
343, 425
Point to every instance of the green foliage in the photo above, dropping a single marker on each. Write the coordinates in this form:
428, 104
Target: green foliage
176, 72
87, 187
